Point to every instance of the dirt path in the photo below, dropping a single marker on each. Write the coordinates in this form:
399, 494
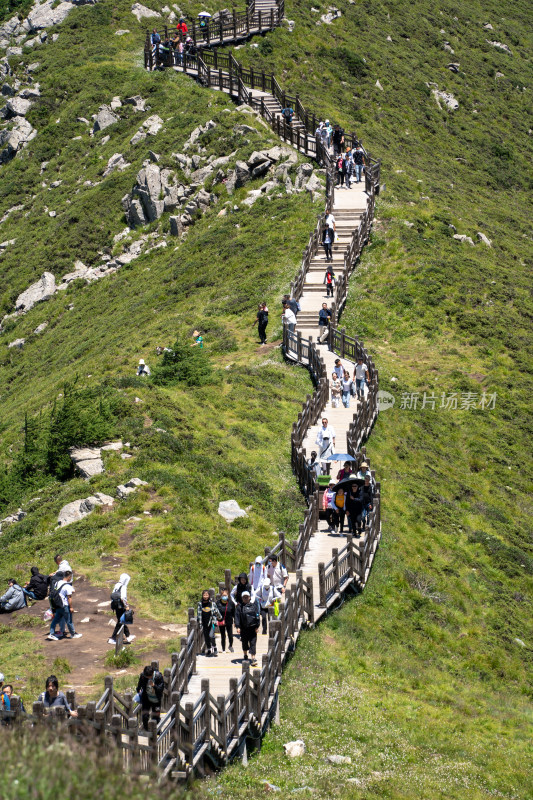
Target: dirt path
94, 619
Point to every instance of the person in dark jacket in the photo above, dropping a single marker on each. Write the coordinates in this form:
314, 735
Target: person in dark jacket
150, 688
37, 586
247, 624
208, 615
358, 162
53, 698
292, 303
226, 607
328, 238
338, 139
241, 586
367, 499
261, 321
347, 169
354, 510
324, 317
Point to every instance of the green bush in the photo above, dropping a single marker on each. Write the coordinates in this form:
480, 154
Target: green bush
183, 364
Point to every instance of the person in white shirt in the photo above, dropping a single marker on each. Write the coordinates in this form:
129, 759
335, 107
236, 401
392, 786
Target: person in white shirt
290, 318
62, 565
364, 472
143, 369
257, 574
267, 597
63, 615
277, 574
361, 376
330, 220
325, 439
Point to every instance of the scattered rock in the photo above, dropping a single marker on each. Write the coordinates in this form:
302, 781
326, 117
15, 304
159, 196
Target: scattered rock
333, 13
500, 46
230, 510
379, 86
454, 67
447, 46
45, 15
43, 289
460, 237
448, 99
150, 127
173, 627
14, 138
116, 161
136, 101
488, 27
271, 787
104, 119
128, 488
112, 446
140, 11
121, 32
18, 343
334, 759
40, 328
408, 224
115, 103
87, 461
484, 239
176, 228
79, 509
519, 642
294, 749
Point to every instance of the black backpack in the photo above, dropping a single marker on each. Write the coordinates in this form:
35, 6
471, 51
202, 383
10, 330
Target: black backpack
249, 616
116, 600
56, 601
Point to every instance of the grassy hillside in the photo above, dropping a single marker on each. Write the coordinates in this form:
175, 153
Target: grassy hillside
425, 680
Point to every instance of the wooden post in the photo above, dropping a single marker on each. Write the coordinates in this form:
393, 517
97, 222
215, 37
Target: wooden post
234, 24
204, 685
108, 683
335, 554
322, 585
349, 545
235, 710
310, 601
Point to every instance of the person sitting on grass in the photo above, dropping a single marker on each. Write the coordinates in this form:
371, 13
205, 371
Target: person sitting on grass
13, 599
37, 586
143, 370
198, 340
53, 698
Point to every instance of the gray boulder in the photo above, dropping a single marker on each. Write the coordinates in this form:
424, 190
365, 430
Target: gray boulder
242, 174
14, 138
176, 228
230, 510
261, 169
484, 239
18, 344
87, 461
40, 328
136, 215
116, 161
44, 16
136, 101
78, 509
128, 488
104, 119
445, 97
140, 11
43, 289
460, 237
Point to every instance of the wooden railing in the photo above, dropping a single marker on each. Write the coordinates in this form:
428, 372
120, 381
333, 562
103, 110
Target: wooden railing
225, 29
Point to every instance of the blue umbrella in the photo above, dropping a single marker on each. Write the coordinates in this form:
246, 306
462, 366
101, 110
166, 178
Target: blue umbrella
340, 457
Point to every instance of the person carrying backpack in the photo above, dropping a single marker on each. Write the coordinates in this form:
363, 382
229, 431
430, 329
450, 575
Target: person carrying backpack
119, 604
340, 172
247, 624
150, 689
329, 281
61, 603
208, 615
288, 114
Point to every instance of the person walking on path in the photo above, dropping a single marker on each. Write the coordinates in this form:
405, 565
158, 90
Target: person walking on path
354, 510
330, 508
150, 690
288, 114
208, 616
329, 220
339, 369
325, 439
268, 597
61, 599
313, 465
335, 384
347, 168
361, 376
339, 167
119, 604
261, 321
226, 608
247, 624
347, 389
242, 584
53, 698
13, 599
358, 162
292, 303
289, 318
257, 574
37, 586
329, 281
277, 574
328, 239
338, 139
324, 318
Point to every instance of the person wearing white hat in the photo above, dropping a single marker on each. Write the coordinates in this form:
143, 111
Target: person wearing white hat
267, 598
143, 369
257, 574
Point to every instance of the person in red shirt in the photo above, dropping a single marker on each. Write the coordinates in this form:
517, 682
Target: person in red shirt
182, 27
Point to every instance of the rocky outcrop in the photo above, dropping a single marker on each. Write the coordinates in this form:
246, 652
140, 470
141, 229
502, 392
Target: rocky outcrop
116, 161
150, 127
43, 289
14, 138
445, 97
500, 46
79, 509
230, 510
140, 11
87, 461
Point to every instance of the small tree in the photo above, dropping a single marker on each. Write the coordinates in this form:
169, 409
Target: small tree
185, 364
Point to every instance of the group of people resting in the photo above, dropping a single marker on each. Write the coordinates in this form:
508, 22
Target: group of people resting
246, 607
